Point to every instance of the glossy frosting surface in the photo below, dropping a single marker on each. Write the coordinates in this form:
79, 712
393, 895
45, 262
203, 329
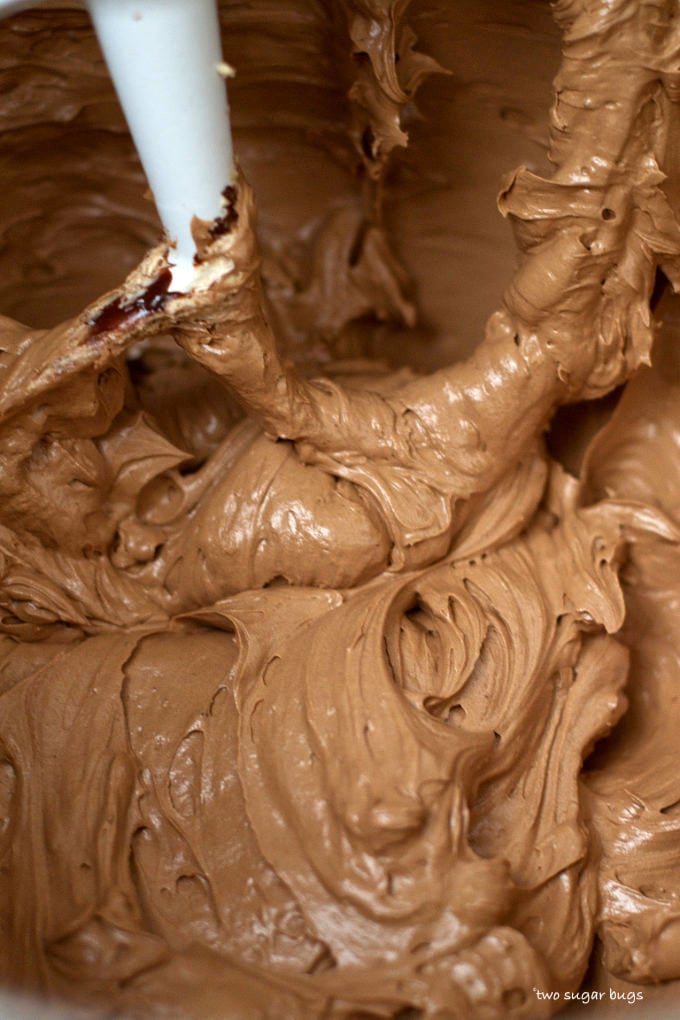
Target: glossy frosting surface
328, 686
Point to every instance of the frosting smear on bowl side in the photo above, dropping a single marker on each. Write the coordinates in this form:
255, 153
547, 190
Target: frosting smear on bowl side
328, 688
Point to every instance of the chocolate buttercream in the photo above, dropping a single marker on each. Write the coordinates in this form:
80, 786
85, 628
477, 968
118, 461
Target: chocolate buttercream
303, 657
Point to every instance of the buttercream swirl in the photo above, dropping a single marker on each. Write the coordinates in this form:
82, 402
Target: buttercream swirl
302, 659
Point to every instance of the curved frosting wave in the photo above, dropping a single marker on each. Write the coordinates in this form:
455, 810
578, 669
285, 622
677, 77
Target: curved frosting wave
325, 691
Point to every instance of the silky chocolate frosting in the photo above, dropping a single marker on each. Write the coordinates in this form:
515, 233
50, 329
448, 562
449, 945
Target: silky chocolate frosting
325, 689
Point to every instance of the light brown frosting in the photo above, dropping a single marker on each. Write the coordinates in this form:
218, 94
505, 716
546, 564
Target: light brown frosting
303, 659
